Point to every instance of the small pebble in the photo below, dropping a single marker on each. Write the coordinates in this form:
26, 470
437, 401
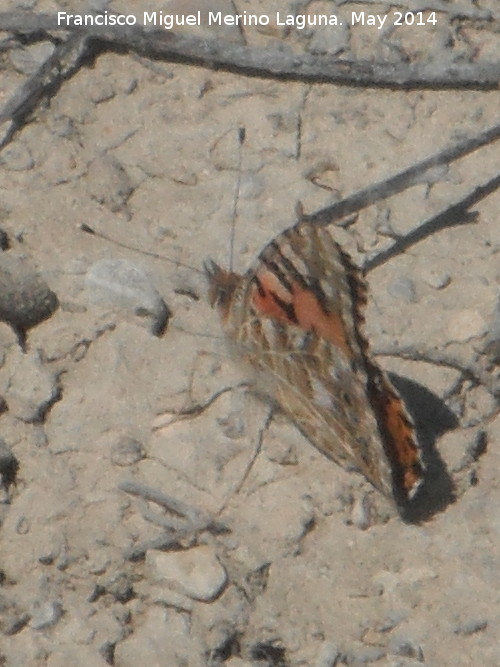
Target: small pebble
436, 279
470, 626
23, 525
406, 648
361, 514
196, 572
126, 451
45, 615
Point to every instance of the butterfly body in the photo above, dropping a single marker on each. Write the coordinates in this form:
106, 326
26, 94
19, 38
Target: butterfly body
295, 319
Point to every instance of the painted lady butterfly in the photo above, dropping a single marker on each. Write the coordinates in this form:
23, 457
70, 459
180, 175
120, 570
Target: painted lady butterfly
295, 317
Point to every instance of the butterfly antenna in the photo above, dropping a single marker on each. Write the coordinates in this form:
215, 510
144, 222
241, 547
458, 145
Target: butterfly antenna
90, 230
241, 141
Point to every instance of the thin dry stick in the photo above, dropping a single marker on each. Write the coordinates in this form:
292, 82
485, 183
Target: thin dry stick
255, 61
169, 503
251, 461
59, 65
403, 180
191, 522
453, 215
164, 542
194, 410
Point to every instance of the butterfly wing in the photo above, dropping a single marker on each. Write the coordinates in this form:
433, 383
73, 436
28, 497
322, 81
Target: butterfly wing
296, 319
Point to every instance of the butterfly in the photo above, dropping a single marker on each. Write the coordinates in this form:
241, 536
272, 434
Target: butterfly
295, 318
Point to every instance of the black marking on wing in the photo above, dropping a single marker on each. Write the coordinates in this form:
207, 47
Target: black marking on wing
288, 264
289, 308
260, 288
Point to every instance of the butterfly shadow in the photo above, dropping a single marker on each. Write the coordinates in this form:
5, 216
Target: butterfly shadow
432, 418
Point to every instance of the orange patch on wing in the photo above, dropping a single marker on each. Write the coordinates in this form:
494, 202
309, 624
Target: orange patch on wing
312, 317
405, 451
308, 311
265, 304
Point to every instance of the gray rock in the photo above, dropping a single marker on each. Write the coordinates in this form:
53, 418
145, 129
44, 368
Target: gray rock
25, 298
121, 284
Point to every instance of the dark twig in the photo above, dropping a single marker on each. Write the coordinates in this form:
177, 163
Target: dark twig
60, 65
164, 542
193, 410
454, 215
159, 498
284, 65
253, 458
403, 180
187, 523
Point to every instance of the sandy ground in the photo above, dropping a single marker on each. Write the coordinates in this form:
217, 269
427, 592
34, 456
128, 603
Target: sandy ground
314, 567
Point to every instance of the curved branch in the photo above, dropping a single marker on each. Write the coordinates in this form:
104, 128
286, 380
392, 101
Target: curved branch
269, 63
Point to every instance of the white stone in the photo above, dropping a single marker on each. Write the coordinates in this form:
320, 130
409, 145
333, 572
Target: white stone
196, 572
